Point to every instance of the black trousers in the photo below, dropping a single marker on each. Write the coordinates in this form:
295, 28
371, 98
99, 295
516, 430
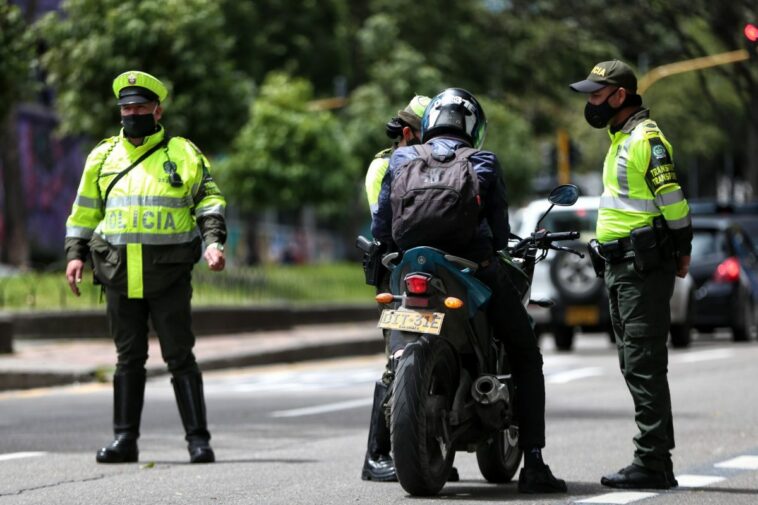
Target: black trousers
512, 326
170, 313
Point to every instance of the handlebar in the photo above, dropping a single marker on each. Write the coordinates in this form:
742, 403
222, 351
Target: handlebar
543, 239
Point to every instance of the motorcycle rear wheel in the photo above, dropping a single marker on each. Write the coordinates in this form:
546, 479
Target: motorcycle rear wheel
423, 392
500, 457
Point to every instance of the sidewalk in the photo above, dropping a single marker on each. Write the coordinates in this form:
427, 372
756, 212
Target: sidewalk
41, 363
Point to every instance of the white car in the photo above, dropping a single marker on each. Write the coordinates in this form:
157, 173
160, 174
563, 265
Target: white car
580, 300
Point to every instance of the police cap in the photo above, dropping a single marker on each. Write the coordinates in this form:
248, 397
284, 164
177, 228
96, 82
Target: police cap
134, 87
608, 73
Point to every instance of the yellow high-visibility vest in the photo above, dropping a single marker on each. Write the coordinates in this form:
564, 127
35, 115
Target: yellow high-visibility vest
143, 208
639, 182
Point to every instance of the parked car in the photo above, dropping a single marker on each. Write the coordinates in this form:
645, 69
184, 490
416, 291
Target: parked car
725, 270
580, 300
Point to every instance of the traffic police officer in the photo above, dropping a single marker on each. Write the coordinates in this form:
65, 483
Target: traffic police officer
142, 197
645, 233
404, 130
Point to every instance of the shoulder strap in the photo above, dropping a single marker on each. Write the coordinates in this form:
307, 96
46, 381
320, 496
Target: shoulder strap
139, 160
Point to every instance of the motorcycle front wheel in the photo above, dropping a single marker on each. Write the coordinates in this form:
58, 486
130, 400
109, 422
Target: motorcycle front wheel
423, 393
500, 457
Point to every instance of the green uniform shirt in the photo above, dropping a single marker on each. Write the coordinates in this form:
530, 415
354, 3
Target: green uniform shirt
144, 213
640, 183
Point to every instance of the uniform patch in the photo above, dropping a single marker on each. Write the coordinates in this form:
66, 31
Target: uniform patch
661, 168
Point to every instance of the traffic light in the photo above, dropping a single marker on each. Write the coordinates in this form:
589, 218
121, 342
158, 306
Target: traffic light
751, 34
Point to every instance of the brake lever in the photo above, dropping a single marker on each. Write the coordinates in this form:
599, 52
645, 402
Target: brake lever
566, 249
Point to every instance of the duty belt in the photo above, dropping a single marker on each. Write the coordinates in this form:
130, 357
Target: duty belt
616, 251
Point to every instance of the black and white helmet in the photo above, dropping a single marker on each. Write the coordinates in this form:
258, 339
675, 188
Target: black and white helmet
457, 112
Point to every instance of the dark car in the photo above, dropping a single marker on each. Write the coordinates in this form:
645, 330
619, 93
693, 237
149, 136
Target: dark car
725, 270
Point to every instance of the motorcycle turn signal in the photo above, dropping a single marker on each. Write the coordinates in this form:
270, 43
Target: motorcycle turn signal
385, 298
453, 303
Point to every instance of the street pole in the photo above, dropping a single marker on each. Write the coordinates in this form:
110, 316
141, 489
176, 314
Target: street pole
679, 67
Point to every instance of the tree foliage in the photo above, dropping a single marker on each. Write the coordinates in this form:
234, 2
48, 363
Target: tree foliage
287, 155
183, 43
16, 57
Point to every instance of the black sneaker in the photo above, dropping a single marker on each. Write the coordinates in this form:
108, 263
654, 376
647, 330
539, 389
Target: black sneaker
639, 477
540, 480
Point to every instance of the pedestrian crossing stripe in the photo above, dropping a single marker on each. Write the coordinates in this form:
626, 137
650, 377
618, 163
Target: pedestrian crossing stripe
618, 498
740, 463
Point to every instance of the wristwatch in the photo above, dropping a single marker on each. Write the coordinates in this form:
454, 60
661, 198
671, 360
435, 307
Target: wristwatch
217, 245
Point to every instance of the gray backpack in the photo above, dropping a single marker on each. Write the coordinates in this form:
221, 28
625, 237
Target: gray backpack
435, 200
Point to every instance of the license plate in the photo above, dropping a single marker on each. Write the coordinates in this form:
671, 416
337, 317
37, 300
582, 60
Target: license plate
582, 315
411, 320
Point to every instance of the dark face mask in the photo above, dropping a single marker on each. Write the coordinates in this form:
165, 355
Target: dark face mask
138, 125
412, 142
599, 115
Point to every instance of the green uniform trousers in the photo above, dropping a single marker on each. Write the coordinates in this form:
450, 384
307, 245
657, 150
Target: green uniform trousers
171, 317
640, 314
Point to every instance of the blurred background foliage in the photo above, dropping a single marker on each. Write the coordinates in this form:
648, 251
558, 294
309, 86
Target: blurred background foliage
289, 98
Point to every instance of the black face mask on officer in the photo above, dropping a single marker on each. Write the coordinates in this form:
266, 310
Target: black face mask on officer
139, 125
598, 115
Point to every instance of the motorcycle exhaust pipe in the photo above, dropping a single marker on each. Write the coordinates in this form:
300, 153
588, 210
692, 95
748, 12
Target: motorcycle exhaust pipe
487, 390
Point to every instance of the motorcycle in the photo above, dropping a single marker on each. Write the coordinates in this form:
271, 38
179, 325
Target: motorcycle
452, 390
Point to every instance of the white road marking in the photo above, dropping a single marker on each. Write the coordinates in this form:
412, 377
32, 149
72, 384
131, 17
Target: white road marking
571, 375
740, 463
698, 480
18, 455
320, 409
618, 498
698, 356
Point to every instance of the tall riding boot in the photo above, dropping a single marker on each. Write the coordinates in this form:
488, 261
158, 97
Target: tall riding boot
378, 464
128, 398
188, 389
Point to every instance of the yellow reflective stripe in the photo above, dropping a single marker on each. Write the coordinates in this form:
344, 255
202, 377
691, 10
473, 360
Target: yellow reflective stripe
90, 203
79, 232
635, 204
151, 238
148, 201
211, 209
134, 286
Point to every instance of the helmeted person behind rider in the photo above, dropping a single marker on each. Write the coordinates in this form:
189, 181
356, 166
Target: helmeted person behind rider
403, 130
454, 119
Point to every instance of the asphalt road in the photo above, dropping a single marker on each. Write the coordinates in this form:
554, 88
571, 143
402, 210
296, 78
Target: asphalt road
297, 434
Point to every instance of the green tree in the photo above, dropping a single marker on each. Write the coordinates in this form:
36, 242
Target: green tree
16, 57
304, 38
185, 44
287, 155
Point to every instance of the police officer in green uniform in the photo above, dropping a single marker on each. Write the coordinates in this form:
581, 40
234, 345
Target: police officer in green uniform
644, 235
145, 205
404, 130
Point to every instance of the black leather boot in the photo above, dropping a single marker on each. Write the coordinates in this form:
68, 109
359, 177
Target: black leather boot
128, 398
378, 464
188, 389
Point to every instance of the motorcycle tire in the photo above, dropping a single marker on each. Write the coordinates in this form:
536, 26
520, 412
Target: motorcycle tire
500, 457
423, 393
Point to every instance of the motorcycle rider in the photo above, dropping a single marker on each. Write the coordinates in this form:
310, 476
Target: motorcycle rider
455, 119
404, 129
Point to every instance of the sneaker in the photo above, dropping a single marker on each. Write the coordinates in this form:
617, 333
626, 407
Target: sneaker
540, 480
639, 477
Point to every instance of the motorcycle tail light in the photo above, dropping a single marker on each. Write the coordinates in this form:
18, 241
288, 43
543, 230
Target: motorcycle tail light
416, 301
727, 271
417, 284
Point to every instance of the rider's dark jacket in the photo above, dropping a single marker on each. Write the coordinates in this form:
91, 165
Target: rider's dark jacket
494, 228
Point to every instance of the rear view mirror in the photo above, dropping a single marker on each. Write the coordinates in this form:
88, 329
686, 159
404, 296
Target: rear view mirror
564, 195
